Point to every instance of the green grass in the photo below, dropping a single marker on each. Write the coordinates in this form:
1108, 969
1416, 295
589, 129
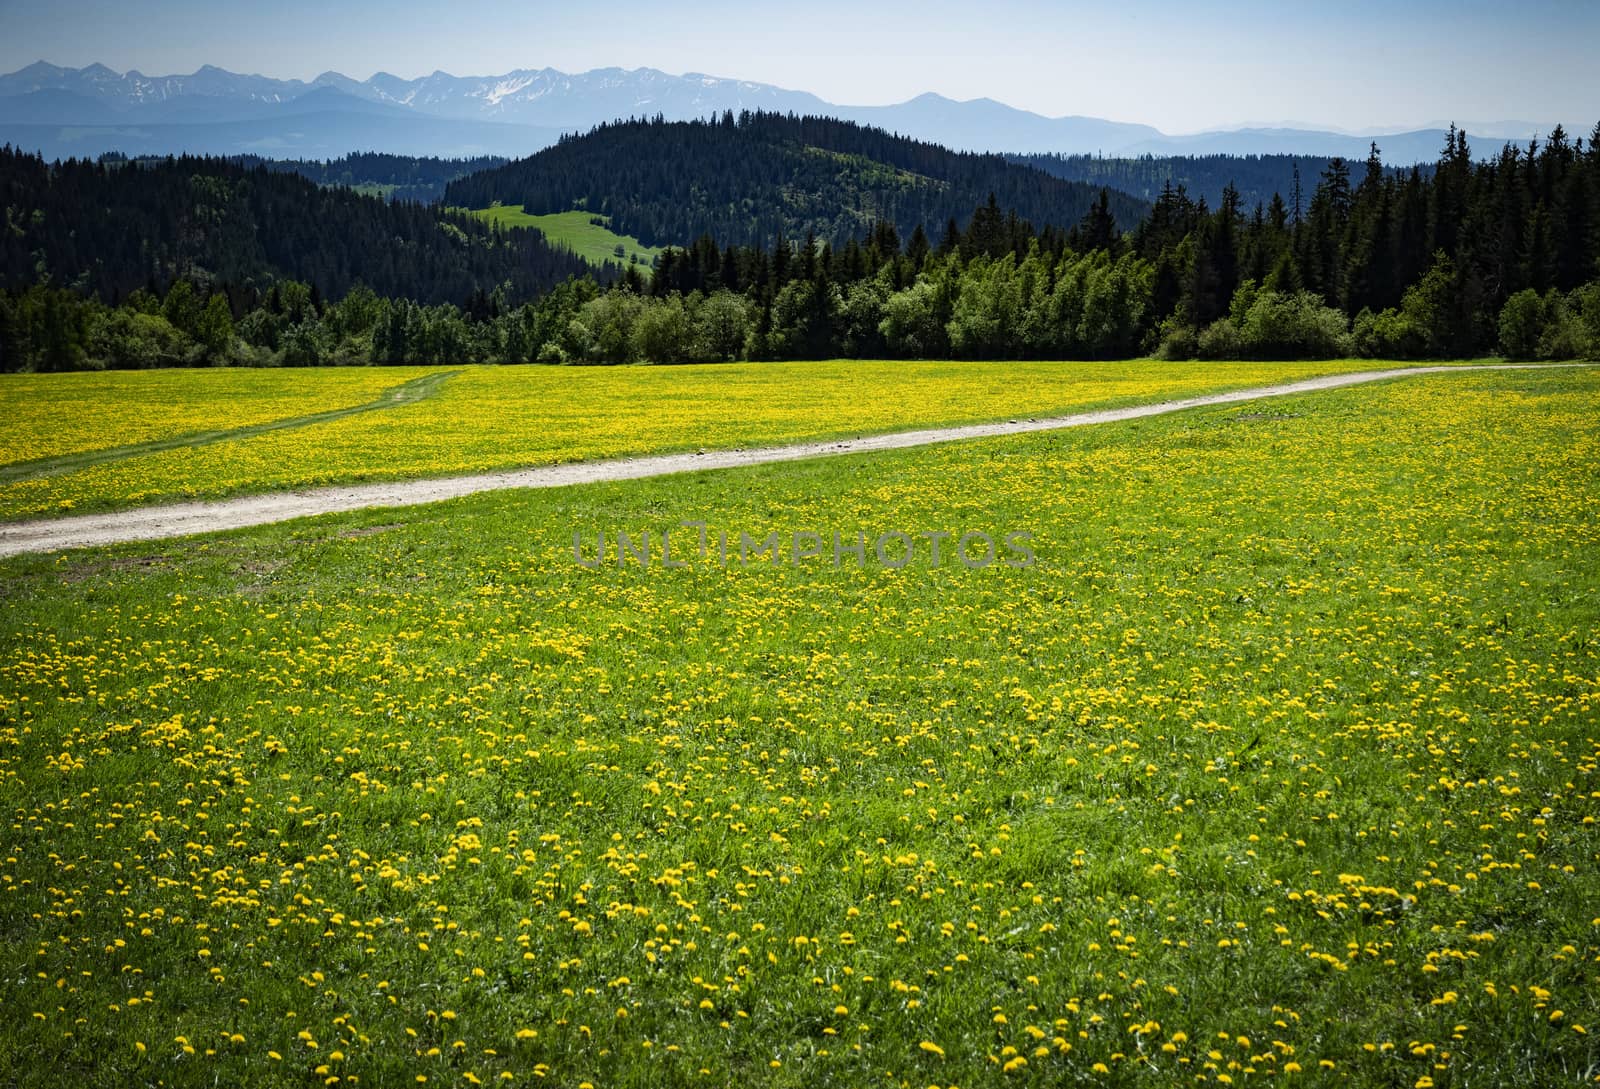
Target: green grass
488, 418
405, 393
44, 416
574, 231
1285, 750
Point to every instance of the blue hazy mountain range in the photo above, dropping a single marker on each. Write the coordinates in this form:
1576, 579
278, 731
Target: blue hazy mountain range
88, 111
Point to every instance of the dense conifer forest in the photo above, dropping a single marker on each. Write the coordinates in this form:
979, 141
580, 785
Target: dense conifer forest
1256, 178
396, 177
192, 261
109, 228
746, 180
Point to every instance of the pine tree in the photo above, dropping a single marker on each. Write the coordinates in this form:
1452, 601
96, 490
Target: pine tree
917, 249
1097, 230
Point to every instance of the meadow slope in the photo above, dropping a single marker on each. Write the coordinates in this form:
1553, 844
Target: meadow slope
484, 419
171, 520
1279, 764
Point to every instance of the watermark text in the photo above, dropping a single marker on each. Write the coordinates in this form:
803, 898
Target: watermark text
693, 542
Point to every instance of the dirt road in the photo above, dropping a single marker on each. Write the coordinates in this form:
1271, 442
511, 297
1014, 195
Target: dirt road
181, 519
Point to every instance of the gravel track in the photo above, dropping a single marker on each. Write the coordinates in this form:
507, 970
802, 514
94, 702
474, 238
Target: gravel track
183, 519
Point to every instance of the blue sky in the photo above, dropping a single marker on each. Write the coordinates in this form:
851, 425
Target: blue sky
1179, 66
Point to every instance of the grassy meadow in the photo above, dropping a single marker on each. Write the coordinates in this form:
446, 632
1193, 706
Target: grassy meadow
1280, 765
575, 231
485, 418
53, 415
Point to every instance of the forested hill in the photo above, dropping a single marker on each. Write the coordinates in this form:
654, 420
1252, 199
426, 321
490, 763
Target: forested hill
747, 180
1256, 178
110, 229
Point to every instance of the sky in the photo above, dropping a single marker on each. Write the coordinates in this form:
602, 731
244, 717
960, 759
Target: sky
1182, 67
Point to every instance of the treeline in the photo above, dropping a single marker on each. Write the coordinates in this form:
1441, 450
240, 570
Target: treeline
1256, 178
46, 328
746, 180
1467, 259
996, 290
108, 229
1418, 265
1471, 258
704, 304
393, 177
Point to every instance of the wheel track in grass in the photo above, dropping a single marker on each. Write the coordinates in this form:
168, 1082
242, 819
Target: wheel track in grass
184, 519
406, 393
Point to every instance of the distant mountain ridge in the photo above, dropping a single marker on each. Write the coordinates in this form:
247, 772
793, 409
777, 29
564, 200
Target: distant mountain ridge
87, 111
543, 97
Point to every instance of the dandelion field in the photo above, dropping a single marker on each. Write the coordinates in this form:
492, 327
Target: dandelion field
50, 415
480, 419
1281, 765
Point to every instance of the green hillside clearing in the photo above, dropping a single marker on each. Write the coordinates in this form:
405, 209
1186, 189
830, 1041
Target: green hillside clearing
575, 231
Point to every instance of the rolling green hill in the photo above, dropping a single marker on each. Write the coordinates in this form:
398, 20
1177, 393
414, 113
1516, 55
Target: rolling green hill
745, 181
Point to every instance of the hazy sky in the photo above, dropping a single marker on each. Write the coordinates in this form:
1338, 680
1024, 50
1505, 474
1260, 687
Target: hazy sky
1178, 66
